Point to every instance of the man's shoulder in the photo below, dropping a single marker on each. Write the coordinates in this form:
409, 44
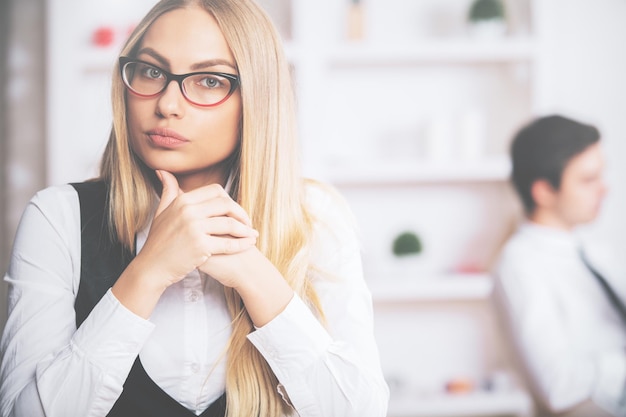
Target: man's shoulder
521, 253
520, 243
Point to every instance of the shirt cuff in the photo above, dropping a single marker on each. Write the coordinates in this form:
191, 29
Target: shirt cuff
292, 341
112, 336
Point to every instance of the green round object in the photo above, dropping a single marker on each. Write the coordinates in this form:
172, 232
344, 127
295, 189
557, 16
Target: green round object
486, 10
407, 243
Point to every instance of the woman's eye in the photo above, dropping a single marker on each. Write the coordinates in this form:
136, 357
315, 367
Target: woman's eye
154, 73
210, 82
151, 72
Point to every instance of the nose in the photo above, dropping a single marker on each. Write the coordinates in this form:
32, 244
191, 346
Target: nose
171, 101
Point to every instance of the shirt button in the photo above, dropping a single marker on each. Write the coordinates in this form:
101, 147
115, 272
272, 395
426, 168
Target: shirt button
194, 296
195, 368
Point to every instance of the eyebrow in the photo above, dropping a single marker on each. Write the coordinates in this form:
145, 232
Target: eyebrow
197, 66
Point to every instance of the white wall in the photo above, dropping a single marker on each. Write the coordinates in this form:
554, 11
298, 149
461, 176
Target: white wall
583, 74
24, 145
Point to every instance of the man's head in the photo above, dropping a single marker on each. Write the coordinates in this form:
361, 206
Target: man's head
557, 171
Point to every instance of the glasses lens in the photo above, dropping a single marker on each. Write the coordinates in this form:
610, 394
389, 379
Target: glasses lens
143, 79
207, 89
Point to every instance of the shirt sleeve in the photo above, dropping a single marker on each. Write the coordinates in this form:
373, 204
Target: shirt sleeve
332, 369
49, 367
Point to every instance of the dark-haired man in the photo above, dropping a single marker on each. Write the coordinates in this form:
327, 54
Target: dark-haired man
564, 302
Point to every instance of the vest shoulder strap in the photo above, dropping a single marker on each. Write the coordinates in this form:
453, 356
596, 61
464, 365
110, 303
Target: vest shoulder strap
103, 258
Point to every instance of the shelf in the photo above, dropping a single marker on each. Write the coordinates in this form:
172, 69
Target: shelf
453, 287
100, 60
435, 51
514, 403
382, 173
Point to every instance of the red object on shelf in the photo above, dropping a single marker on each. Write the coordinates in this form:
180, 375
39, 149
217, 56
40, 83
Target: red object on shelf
103, 36
470, 268
460, 386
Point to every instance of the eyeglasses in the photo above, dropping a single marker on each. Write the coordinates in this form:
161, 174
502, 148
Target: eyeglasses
204, 89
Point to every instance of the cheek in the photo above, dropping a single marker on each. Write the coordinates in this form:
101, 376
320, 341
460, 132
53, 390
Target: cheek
594, 192
226, 125
216, 134
138, 107
587, 201
140, 116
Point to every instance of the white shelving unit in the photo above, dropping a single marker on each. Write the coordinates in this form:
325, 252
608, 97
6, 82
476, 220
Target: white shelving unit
513, 403
365, 109
451, 287
455, 51
416, 172
393, 110
100, 60
451, 75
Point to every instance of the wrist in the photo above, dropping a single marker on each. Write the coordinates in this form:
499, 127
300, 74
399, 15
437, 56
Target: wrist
139, 289
265, 294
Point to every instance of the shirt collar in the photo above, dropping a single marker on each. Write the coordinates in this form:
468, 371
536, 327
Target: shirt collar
556, 239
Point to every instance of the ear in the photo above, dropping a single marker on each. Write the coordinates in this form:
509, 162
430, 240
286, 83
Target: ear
543, 194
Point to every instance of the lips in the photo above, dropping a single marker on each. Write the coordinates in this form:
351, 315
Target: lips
166, 138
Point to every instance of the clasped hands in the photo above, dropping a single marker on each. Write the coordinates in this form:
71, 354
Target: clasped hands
194, 230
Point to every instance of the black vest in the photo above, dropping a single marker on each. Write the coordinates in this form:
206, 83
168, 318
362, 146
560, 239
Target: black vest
103, 259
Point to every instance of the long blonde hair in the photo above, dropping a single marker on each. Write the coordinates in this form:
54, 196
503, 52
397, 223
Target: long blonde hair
266, 182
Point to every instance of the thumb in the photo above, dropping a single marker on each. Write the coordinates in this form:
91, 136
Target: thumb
170, 190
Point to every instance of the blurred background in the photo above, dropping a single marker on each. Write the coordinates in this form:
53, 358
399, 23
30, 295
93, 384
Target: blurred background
407, 107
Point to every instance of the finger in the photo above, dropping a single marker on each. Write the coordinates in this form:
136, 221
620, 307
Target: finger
202, 260
229, 245
229, 226
205, 193
170, 190
217, 203
226, 207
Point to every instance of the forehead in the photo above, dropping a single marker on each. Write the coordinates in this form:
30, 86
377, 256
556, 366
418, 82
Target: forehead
185, 37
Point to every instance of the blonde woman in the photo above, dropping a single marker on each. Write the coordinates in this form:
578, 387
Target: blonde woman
199, 275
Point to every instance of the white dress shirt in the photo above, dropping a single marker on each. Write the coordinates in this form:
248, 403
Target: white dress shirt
50, 368
571, 338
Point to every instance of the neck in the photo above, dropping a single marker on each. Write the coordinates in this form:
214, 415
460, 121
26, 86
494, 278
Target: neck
549, 219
